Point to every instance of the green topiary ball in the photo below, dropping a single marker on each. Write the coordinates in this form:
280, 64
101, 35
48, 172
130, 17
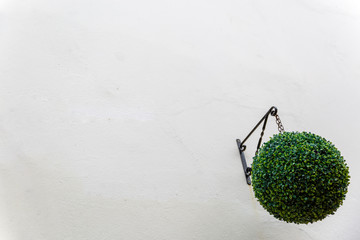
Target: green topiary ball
299, 177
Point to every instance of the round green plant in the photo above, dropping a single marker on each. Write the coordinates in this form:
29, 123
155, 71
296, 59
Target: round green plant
299, 177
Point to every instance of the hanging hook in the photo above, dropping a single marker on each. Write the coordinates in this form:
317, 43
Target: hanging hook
247, 170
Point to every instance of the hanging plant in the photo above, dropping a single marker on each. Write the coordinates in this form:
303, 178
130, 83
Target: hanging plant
299, 177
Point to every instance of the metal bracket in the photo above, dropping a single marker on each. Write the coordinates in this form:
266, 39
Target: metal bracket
242, 147
247, 170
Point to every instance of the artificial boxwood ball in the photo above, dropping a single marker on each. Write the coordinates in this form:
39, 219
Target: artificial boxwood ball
299, 177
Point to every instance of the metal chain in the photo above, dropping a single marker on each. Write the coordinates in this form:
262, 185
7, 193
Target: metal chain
278, 122
280, 128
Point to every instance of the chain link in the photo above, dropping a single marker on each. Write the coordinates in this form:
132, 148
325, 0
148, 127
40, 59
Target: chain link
280, 128
278, 122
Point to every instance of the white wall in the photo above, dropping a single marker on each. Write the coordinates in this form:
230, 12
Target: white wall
118, 119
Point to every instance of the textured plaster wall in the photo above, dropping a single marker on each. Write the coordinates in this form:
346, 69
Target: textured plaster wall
118, 119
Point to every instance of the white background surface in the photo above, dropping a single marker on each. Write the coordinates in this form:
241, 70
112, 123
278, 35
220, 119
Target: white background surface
118, 119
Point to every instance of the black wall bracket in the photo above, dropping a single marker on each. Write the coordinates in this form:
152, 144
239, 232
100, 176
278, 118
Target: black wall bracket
247, 170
